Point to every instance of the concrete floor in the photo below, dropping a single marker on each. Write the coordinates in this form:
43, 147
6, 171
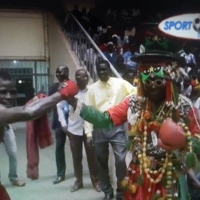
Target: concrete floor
43, 188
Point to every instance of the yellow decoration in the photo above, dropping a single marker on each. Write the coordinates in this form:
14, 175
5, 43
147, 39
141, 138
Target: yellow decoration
132, 188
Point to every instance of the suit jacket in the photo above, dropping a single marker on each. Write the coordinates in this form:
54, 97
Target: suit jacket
112, 59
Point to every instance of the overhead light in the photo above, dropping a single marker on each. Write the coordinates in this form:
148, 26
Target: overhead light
19, 81
14, 61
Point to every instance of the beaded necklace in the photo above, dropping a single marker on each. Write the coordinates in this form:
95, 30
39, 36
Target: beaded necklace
147, 121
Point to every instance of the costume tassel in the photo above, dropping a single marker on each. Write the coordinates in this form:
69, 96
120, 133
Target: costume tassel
140, 180
140, 88
174, 198
156, 197
195, 145
175, 94
191, 160
168, 92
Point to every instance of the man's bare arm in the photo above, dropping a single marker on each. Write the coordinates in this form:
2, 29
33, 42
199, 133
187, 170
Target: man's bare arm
29, 112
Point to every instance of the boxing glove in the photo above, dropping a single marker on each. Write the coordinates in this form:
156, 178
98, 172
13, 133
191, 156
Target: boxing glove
171, 136
68, 89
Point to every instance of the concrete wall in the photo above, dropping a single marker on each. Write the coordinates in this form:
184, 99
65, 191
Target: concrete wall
60, 50
22, 35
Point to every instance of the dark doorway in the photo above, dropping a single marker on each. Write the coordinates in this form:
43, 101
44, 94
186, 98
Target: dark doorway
25, 89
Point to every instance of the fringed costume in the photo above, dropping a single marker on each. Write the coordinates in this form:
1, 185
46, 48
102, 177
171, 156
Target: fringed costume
164, 138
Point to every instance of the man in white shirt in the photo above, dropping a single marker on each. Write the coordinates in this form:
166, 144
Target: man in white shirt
77, 136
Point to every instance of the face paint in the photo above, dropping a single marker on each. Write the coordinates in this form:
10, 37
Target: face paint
154, 71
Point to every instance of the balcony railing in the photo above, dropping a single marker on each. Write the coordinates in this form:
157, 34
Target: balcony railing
85, 48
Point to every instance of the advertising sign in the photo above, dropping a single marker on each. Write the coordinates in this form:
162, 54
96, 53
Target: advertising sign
182, 26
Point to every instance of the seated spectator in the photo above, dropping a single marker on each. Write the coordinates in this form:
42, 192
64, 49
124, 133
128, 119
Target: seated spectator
127, 46
196, 89
95, 22
107, 35
130, 76
117, 46
76, 12
120, 66
186, 87
122, 39
103, 43
189, 59
84, 20
128, 55
126, 17
111, 55
110, 16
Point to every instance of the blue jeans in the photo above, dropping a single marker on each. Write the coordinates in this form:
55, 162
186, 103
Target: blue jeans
11, 149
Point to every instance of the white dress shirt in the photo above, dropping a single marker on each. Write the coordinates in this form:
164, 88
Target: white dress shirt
75, 122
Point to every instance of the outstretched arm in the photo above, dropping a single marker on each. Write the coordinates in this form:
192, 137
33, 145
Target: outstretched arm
116, 115
29, 112
38, 107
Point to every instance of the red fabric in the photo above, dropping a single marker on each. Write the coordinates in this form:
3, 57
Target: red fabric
118, 113
193, 127
103, 47
38, 134
3, 193
142, 192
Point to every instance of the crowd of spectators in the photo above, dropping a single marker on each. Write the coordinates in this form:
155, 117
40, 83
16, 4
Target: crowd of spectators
115, 35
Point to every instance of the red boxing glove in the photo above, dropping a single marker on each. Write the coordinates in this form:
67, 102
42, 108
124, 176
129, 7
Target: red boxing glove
171, 136
70, 89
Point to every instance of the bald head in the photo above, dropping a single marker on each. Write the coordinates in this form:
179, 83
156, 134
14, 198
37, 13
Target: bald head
82, 78
80, 71
62, 73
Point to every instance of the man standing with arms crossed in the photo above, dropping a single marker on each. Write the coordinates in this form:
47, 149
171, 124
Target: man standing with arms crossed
103, 94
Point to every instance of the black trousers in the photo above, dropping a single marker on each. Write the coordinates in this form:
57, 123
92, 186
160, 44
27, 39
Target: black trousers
117, 138
60, 136
76, 145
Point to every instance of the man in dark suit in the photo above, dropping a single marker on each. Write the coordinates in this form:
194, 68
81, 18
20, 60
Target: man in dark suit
62, 74
111, 55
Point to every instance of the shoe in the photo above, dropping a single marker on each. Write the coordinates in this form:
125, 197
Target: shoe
58, 179
108, 196
18, 183
76, 187
97, 188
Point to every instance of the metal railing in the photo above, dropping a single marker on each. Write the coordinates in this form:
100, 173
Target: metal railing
85, 48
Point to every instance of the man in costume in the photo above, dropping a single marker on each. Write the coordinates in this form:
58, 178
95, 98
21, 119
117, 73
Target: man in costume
35, 109
164, 132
